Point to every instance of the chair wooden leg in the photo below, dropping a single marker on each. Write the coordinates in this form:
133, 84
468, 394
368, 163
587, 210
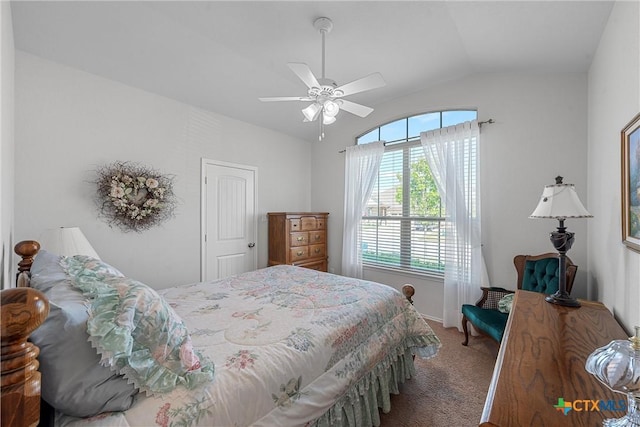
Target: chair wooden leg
466, 331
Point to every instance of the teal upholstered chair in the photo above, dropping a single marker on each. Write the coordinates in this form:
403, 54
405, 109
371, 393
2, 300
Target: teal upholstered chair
537, 273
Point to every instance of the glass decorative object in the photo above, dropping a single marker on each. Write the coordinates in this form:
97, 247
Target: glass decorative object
617, 365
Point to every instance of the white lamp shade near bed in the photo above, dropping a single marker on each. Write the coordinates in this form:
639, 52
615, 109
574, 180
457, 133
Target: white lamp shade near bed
67, 241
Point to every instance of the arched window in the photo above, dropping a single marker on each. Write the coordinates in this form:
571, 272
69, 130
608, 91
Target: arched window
401, 223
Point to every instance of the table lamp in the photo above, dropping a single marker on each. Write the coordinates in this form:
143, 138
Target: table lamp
560, 201
67, 241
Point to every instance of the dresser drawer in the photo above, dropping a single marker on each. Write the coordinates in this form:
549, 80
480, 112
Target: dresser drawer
299, 253
316, 251
308, 223
294, 224
317, 237
299, 239
314, 265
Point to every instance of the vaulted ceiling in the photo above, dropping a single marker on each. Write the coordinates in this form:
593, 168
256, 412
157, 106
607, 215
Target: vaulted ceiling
223, 55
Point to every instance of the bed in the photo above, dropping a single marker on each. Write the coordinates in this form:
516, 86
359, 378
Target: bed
279, 346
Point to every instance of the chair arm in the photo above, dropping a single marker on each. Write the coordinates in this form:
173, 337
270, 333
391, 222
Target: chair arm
491, 296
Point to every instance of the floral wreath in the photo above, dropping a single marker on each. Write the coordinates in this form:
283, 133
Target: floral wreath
134, 197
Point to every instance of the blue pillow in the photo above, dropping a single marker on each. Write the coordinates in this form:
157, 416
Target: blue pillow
73, 381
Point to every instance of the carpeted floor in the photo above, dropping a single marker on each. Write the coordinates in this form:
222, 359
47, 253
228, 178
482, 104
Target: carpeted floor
449, 389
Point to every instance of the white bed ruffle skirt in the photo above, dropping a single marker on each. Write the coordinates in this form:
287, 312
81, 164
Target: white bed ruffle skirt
359, 406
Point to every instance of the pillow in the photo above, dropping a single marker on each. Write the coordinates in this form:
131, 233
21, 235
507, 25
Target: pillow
504, 305
92, 267
137, 333
73, 381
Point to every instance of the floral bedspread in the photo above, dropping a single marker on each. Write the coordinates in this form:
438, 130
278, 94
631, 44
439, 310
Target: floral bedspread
287, 343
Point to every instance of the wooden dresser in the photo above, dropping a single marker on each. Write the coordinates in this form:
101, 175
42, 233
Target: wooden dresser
542, 359
298, 238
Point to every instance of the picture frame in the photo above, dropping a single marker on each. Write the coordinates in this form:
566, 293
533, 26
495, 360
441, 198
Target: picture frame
630, 147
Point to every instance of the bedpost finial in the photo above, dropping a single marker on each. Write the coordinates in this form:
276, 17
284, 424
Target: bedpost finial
26, 249
408, 291
23, 310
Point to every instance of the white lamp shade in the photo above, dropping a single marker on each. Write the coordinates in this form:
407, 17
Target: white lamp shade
560, 201
327, 120
67, 241
311, 112
330, 108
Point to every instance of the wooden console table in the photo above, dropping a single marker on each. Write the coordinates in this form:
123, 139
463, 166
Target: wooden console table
542, 358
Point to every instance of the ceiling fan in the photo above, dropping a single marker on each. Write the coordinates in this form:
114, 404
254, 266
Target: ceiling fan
325, 95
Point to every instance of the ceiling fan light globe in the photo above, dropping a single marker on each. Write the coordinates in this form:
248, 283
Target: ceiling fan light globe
327, 120
311, 112
330, 108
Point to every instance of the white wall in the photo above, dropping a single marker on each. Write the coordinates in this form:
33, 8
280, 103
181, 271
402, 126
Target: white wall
540, 132
69, 122
7, 179
614, 99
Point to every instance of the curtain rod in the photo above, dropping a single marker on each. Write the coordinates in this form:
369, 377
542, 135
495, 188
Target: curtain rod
486, 122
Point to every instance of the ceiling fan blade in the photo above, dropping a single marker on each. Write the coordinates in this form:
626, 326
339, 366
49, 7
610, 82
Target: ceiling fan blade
304, 73
372, 81
285, 98
353, 108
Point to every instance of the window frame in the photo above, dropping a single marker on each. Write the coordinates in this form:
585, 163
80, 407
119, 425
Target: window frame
406, 144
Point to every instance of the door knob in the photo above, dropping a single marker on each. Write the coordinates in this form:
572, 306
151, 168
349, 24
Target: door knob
251, 244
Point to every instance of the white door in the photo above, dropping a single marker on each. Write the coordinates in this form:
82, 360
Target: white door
229, 219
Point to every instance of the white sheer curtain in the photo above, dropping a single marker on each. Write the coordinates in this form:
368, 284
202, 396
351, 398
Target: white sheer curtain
453, 156
362, 163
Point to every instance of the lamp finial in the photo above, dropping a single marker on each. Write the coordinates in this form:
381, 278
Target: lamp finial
559, 179
635, 340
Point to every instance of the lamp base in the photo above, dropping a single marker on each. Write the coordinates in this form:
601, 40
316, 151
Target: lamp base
562, 298
632, 417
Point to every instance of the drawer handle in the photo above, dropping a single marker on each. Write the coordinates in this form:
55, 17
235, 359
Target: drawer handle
300, 239
317, 251
317, 237
300, 253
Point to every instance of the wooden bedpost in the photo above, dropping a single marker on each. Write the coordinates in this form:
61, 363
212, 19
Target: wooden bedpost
27, 249
22, 310
408, 291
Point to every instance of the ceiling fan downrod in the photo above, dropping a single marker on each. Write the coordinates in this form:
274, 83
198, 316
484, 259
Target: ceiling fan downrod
324, 25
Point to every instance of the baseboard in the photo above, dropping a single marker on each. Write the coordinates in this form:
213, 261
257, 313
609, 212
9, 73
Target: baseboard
435, 319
